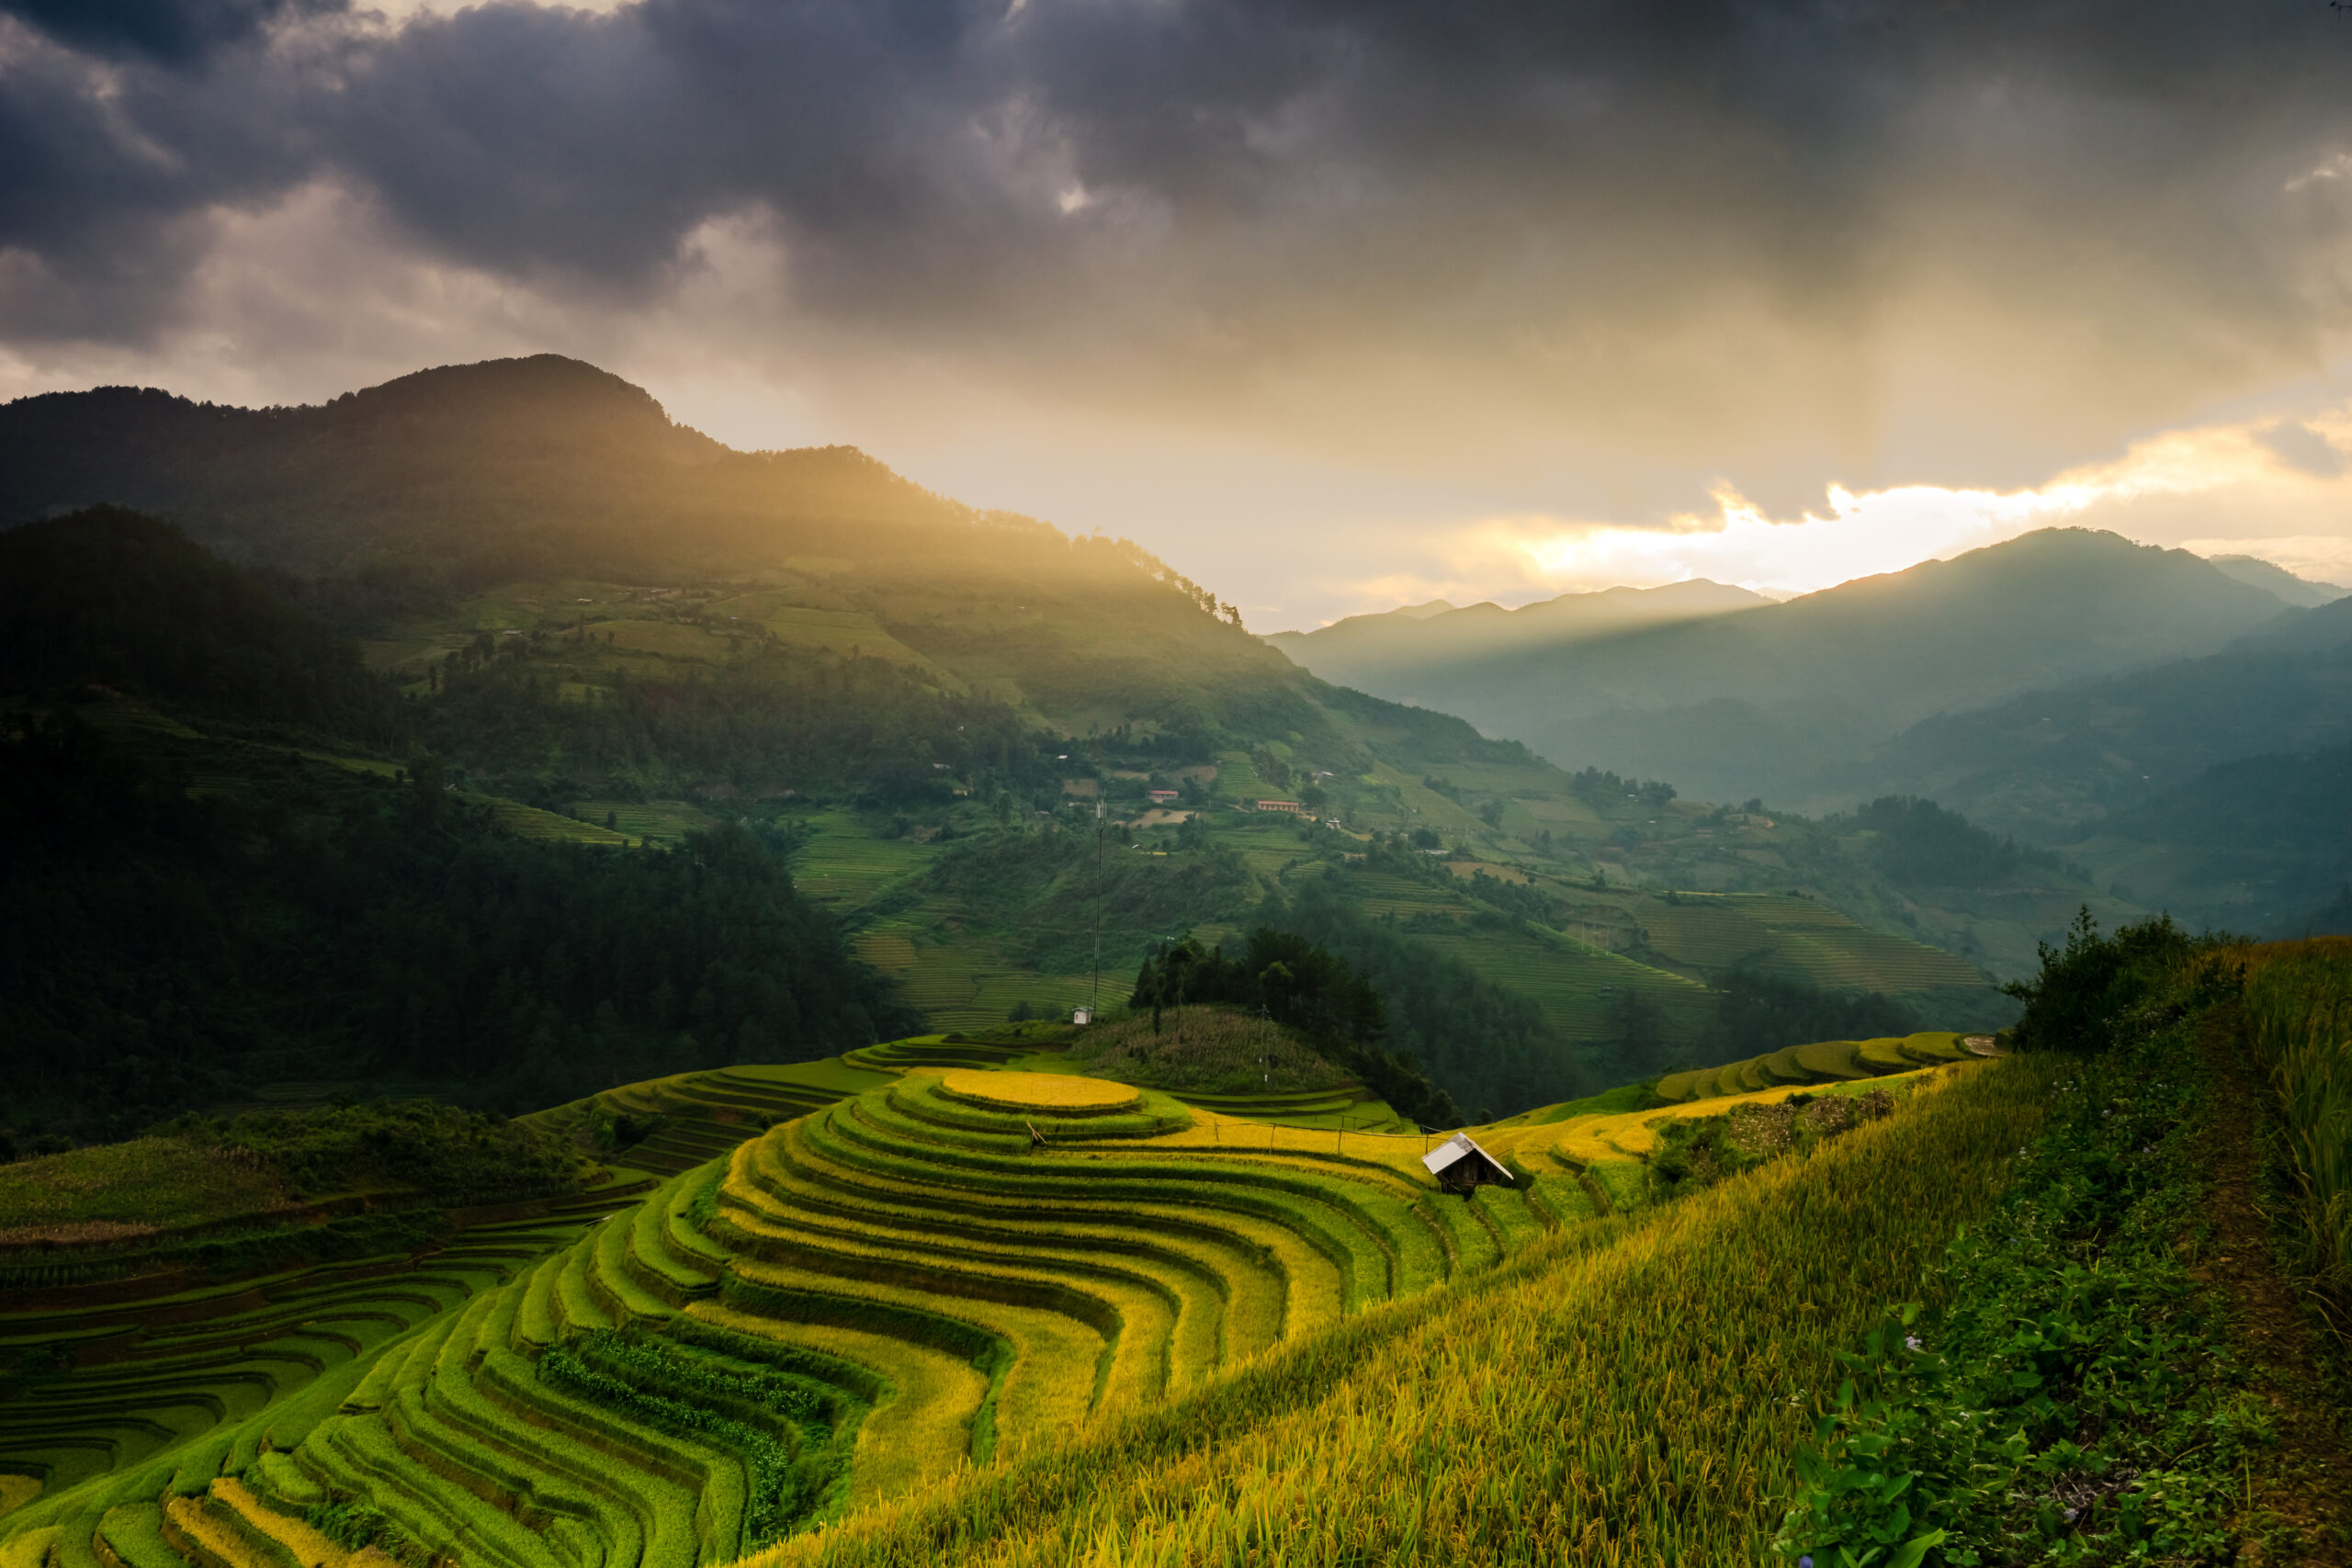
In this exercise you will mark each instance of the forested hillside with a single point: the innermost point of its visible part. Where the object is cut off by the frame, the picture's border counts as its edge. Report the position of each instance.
(1001, 762)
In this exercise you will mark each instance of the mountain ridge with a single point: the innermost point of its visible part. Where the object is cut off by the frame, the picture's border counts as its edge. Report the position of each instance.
(1785, 689)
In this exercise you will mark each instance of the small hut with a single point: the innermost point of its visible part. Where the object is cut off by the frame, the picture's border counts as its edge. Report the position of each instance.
(1461, 1165)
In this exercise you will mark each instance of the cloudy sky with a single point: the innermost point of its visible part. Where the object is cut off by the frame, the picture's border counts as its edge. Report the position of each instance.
(1334, 306)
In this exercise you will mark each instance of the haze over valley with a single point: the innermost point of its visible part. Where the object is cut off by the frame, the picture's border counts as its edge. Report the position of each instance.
(842, 787)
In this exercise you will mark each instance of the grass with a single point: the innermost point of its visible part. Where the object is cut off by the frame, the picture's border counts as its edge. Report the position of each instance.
(1621, 1392)
(2299, 1004)
(123, 1190)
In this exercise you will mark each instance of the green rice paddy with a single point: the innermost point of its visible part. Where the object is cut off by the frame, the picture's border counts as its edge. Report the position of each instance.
(922, 1276)
(1827, 1062)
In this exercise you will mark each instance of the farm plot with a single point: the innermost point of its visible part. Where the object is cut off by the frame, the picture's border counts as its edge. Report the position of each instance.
(1575, 982)
(653, 821)
(844, 864)
(1623, 1394)
(1829, 949)
(1825, 1061)
(667, 1125)
(111, 1400)
(955, 1266)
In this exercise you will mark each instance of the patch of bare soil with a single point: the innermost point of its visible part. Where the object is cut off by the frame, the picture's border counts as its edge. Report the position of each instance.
(2298, 1496)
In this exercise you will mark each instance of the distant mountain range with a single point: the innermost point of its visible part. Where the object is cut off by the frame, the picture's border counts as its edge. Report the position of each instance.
(1775, 700)
(2068, 687)
(2301, 592)
(1393, 645)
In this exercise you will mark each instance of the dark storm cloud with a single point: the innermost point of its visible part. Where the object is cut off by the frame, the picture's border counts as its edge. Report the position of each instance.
(1238, 182)
(174, 32)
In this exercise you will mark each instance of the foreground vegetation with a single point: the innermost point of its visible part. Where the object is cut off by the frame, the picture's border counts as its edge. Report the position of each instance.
(1976, 1310)
(2113, 1368)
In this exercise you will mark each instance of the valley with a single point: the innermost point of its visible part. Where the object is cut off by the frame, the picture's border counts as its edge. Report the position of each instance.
(541, 1042)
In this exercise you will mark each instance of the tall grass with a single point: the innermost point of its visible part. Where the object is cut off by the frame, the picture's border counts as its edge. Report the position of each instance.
(2299, 1003)
(1627, 1392)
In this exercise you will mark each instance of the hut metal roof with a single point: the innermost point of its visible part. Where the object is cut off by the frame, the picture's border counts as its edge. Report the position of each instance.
(1455, 1149)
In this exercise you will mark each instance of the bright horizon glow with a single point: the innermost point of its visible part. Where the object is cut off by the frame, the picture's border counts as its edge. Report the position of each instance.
(2225, 470)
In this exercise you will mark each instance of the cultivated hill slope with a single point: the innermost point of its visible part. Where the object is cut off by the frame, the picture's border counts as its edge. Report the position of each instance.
(977, 1259)
(1755, 701)
(914, 704)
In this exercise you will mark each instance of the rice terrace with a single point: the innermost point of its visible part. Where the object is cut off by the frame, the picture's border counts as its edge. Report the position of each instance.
(1166, 783)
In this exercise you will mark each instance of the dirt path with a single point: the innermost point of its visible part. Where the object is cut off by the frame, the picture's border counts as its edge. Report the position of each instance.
(2300, 1492)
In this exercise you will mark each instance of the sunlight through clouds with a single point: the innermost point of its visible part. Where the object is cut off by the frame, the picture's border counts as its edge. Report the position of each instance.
(2171, 489)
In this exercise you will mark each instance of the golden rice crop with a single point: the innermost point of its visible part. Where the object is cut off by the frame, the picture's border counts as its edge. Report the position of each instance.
(1044, 1091)
(1625, 1392)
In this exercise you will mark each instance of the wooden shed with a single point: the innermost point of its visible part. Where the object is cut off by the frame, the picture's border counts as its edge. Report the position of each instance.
(1461, 1165)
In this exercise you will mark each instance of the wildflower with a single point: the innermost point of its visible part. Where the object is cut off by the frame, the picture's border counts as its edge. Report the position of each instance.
(1911, 1342)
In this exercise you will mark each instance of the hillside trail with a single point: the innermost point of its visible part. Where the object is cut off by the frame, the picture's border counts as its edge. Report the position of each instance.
(2299, 1498)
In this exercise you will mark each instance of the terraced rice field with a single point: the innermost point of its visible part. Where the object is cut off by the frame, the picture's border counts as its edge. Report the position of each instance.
(113, 1398)
(1385, 892)
(958, 1266)
(1825, 1061)
(844, 865)
(1829, 949)
(971, 984)
(1718, 931)
(530, 822)
(654, 821)
(1628, 1393)
(700, 1116)
(1237, 780)
(1574, 982)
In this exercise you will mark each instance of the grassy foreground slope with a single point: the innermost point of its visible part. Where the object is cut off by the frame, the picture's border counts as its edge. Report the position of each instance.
(1625, 1389)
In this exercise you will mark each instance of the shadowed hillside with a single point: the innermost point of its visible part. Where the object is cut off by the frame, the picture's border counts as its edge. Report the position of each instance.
(1760, 702)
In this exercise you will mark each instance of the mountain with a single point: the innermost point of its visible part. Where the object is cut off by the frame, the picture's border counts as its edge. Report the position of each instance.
(2052, 765)
(2301, 592)
(1368, 651)
(1758, 702)
(604, 635)
(132, 604)
(2260, 845)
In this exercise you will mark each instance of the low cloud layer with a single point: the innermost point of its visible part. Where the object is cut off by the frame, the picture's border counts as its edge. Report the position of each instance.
(1602, 262)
